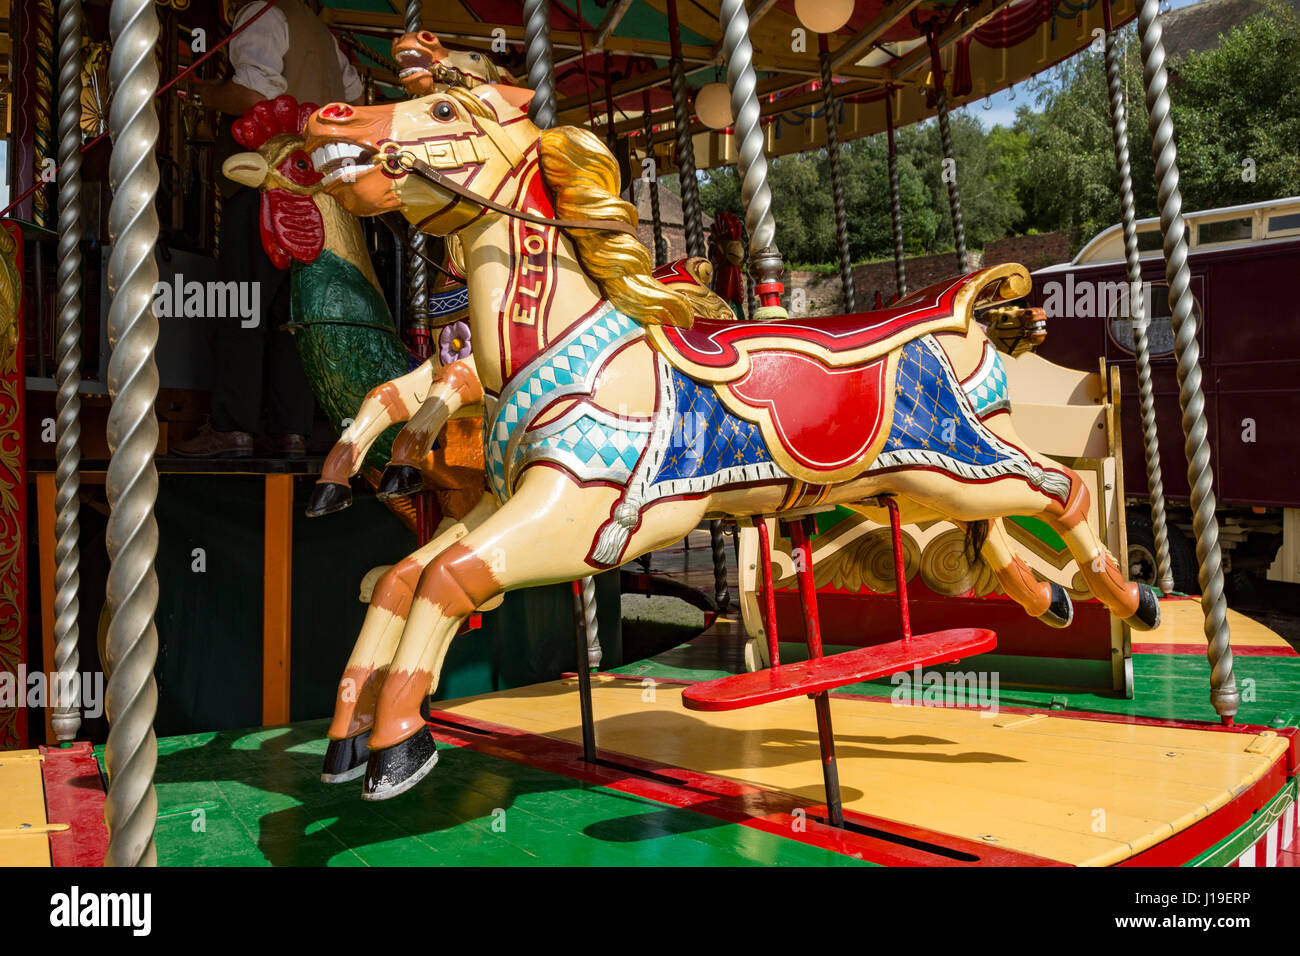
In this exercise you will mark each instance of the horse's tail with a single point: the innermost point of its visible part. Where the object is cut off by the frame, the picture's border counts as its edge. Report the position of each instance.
(977, 532)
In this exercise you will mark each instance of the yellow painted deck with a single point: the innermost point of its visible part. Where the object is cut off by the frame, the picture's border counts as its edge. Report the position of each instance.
(24, 839)
(1084, 792)
(1181, 622)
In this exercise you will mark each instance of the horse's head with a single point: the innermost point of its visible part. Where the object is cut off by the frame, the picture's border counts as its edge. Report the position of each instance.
(293, 198)
(472, 137)
(1015, 329)
(425, 63)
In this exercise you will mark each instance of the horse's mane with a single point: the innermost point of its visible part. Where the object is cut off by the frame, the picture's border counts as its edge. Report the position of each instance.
(583, 178)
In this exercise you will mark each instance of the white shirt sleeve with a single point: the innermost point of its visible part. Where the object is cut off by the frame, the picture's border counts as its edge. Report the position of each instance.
(353, 88)
(257, 54)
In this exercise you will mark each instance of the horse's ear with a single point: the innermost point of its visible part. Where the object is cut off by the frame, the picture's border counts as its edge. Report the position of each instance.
(497, 95)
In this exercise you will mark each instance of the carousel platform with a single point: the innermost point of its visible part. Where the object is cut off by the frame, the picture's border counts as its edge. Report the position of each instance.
(1046, 779)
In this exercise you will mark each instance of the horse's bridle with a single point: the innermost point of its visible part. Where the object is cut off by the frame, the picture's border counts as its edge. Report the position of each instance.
(410, 163)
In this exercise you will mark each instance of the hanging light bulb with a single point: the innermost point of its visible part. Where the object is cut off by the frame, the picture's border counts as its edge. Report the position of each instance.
(713, 105)
(823, 16)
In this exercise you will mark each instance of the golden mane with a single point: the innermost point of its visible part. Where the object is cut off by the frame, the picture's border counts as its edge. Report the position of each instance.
(583, 176)
(584, 179)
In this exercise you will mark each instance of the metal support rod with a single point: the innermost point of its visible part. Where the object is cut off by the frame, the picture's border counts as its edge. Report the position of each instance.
(1136, 306)
(583, 615)
(900, 568)
(950, 175)
(837, 179)
(764, 258)
(769, 598)
(66, 714)
(541, 75)
(693, 227)
(692, 219)
(131, 808)
(661, 246)
(1200, 474)
(895, 201)
(813, 635)
(537, 37)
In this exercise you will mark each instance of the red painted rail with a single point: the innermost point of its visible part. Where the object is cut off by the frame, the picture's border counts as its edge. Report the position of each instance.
(827, 673)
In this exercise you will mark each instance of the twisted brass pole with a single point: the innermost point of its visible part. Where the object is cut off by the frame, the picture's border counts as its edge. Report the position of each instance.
(132, 483)
(1200, 474)
(417, 271)
(541, 75)
(661, 247)
(837, 180)
(954, 193)
(537, 38)
(1137, 308)
(66, 714)
(895, 200)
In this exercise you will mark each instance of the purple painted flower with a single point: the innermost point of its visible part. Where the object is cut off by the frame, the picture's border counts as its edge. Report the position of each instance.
(453, 343)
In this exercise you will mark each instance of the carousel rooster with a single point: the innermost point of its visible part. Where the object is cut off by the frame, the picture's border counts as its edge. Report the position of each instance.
(727, 253)
(345, 332)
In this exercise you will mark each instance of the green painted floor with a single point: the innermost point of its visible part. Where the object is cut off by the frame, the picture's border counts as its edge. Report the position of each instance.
(254, 798)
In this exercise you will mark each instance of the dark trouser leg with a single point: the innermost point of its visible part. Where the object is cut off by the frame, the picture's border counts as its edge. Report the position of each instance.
(290, 402)
(239, 350)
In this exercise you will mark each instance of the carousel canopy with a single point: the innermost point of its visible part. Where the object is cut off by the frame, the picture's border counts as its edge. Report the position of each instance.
(619, 50)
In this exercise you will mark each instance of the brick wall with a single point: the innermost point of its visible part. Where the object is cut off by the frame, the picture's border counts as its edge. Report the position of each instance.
(823, 295)
(1032, 252)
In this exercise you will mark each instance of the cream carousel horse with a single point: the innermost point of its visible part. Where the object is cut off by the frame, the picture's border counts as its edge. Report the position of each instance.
(615, 422)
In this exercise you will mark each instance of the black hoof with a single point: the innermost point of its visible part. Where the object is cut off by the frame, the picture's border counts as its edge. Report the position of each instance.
(400, 767)
(328, 497)
(1147, 616)
(1061, 611)
(346, 759)
(398, 481)
(425, 708)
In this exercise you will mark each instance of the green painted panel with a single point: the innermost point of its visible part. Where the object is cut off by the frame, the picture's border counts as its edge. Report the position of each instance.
(254, 798)
(1040, 529)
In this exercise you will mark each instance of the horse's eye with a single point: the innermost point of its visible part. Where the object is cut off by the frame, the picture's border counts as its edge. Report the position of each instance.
(301, 164)
(474, 57)
(443, 111)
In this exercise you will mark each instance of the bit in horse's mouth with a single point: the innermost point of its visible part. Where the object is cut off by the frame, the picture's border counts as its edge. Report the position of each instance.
(338, 158)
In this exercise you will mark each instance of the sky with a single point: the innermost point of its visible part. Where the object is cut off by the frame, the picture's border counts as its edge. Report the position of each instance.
(1002, 109)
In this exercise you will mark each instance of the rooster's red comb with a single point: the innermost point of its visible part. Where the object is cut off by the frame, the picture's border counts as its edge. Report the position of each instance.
(284, 114)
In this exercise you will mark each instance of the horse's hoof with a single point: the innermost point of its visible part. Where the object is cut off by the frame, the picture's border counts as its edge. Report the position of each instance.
(425, 707)
(398, 481)
(1147, 616)
(398, 768)
(328, 497)
(1060, 612)
(346, 759)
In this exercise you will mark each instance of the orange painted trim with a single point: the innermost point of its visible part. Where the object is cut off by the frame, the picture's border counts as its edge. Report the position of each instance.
(45, 516)
(277, 593)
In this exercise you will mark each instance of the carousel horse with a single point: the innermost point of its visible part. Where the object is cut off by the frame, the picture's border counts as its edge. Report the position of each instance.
(425, 63)
(616, 420)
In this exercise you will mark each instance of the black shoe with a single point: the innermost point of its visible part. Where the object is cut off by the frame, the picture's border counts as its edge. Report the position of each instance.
(328, 497)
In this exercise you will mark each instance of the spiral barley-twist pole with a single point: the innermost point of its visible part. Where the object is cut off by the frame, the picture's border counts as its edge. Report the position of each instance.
(45, 68)
(132, 482)
(950, 175)
(1137, 311)
(751, 161)
(417, 271)
(66, 715)
(692, 218)
(895, 201)
(541, 74)
(837, 179)
(656, 217)
(1200, 474)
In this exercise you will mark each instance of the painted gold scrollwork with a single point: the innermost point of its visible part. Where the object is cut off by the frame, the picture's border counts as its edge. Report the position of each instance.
(946, 568)
(868, 562)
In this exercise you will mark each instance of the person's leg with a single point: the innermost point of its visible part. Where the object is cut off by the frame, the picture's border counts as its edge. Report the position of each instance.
(290, 402)
(238, 350)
